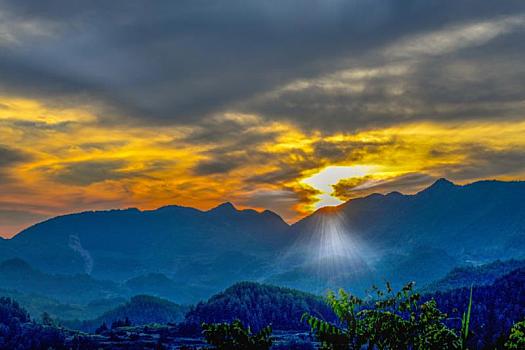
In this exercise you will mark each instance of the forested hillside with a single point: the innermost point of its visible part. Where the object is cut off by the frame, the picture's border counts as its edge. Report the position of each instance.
(140, 310)
(480, 275)
(495, 307)
(258, 305)
(18, 331)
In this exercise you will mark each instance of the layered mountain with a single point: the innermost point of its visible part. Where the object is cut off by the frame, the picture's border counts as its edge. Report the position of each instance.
(470, 275)
(18, 275)
(400, 237)
(186, 254)
(484, 219)
(202, 247)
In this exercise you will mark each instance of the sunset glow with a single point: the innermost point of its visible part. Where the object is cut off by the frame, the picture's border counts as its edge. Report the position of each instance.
(325, 179)
(177, 124)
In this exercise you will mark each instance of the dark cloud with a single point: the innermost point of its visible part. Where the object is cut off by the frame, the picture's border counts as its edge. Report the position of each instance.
(85, 173)
(234, 142)
(486, 163)
(36, 126)
(231, 134)
(178, 61)
(280, 175)
(358, 187)
(101, 146)
(10, 157)
(472, 84)
(89, 172)
(288, 166)
(283, 201)
(353, 151)
(216, 166)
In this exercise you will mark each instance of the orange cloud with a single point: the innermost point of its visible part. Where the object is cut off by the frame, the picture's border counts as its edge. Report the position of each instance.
(73, 162)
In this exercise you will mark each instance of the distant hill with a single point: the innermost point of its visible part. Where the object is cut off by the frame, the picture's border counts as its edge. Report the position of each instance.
(258, 305)
(77, 292)
(481, 275)
(121, 244)
(158, 284)
(140, 310)
(209, 249)
(37, 304)
(16, 274)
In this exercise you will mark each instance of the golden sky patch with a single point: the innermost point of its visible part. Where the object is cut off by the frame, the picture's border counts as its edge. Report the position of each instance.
(75, 163)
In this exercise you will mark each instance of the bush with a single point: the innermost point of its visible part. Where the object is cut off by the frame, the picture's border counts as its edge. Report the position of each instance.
(394, 321)
(517, 336)
(234, 336)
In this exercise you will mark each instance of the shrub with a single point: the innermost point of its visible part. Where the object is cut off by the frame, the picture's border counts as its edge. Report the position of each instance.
(393, 321)
(517, 336)
(234, 336)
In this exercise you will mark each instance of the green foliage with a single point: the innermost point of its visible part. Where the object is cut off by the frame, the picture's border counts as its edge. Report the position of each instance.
(18, 331)
(234, 336)
(259, 305)
(47, 320)
(351, 335)
(465, 322)
(393, 321)
(517, 336)
(140, 310)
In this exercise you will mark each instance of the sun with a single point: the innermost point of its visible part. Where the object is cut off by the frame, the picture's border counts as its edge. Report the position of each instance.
(331, 175)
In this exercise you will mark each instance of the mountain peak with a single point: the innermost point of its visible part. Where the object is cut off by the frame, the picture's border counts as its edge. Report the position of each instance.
(439, 185)
(443, 182)
(225, 207)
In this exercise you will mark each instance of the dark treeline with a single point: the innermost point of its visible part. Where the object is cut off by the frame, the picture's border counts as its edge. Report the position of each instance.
(19, 332)
(258, 305)
(495, 309)
(481, 275)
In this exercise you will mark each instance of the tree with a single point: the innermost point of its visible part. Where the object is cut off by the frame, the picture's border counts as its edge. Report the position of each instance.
(234, 336)
(121, 323)
(47, 320)
(102, 329)
(393, 321)
(517, 336)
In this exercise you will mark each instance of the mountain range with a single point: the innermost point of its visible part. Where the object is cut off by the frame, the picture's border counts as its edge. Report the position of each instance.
(418, 237)
(366, 240)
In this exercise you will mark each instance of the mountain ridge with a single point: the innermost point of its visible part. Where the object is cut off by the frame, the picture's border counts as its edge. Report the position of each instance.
(390, 236)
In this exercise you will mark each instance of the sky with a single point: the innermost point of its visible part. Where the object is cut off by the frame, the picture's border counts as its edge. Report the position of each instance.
(284, 105)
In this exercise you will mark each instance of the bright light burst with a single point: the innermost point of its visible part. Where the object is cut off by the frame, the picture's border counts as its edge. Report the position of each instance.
(334, 240)
(329, 176)
(331, 253)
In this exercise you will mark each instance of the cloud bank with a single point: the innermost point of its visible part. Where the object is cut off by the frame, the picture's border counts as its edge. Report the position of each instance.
(126, 103)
